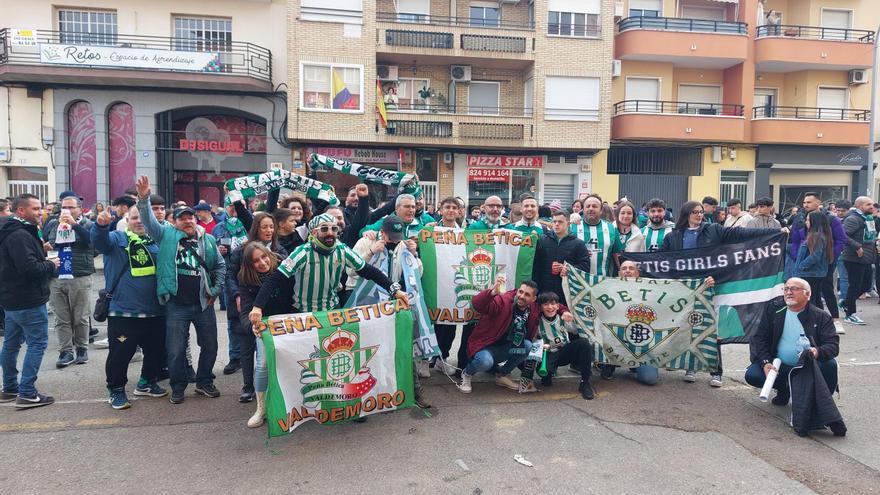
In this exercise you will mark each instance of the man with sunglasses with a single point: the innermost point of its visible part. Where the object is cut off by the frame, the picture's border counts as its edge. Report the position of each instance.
(316, 268)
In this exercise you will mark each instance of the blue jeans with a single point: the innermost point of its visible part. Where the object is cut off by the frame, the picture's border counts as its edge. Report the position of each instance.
(30, 326)
(505, 352)
(842, 279)
(647, 375)
(234, 338)
(177, 321)
(755, 376)
(261, 369)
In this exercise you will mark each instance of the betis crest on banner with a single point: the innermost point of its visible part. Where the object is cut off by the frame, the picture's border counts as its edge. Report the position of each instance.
(459, 263)
(661, 323)
(339, 365)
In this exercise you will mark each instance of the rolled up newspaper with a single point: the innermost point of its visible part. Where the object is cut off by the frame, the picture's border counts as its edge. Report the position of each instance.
(771, 379)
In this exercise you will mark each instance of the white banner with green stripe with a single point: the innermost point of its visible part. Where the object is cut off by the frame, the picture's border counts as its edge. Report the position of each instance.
(336, 366)
(459, 263)
(655, 322)
(748, 275)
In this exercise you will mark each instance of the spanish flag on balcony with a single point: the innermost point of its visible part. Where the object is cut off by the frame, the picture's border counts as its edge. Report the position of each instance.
(342, 98)
(380, 106)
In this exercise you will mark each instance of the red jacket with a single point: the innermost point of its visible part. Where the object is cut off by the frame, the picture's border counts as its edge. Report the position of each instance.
(496, 313)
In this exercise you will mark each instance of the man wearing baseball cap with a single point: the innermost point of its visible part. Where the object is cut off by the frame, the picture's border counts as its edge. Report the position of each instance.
(206, 219)
(189, 275)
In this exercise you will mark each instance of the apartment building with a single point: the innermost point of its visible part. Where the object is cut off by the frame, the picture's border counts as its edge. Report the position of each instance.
(98, 91)
(742, 98)
(481, 97)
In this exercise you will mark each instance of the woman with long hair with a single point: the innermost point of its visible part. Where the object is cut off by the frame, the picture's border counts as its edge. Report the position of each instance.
(692, 232)
(301, 211)
(719, 217)
(257, 263)
(815, 254)
(630, 234)
(263, 232)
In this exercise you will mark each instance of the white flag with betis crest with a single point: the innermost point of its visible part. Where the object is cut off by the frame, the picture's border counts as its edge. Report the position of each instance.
(336, 366)
(459, 263)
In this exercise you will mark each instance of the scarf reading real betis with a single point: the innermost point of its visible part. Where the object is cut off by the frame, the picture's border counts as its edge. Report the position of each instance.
(336, 366)
(251, 186)
(408, 183)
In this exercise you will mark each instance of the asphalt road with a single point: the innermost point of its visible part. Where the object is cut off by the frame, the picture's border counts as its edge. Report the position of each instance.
(673, 438)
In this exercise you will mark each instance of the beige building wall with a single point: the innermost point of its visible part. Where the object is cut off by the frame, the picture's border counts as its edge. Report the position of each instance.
(23, 141)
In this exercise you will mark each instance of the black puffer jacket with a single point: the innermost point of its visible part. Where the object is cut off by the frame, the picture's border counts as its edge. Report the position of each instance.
(818, 327)
(233, 266)
(569, 249)
(812, 405)
(24, 270)
(713, 235)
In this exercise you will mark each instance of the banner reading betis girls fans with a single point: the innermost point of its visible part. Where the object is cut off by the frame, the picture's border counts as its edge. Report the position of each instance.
(661, 323)
(747, 276)
(460, 263)
(339, 365)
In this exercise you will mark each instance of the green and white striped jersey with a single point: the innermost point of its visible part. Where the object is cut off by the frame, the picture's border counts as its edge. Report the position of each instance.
(553, 332)
(654, 237)
(602, 241)
(317, 275)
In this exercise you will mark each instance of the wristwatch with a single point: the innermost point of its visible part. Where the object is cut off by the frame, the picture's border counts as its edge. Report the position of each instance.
(394, 289)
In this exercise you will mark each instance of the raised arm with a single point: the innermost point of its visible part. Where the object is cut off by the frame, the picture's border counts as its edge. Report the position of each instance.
(151, 225)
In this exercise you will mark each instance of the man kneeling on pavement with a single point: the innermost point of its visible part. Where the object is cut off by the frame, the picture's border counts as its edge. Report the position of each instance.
(508, 324)
(779, 336)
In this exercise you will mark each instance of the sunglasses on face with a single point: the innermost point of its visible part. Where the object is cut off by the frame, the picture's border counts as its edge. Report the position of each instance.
(328, 228)
(697, 212)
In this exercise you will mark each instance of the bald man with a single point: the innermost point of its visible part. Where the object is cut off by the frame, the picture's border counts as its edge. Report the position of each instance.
(491, 219)
(859, 253)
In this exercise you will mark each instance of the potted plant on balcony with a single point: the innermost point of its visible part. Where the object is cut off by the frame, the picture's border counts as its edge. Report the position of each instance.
(426, 94)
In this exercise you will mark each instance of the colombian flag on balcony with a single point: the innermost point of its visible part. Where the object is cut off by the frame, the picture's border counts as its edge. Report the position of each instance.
(342, 98)
(380, 106)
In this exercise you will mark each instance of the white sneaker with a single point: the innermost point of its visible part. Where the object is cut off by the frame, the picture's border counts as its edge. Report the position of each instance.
(465, 385)
(715, 381)
(138, 356)
(101, 344)
(690, 376)
(838, 328)
(423, 369)
(444, 367)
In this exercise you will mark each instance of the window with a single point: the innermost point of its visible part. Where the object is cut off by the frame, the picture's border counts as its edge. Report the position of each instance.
(571, 98)
(344, 11)
(203, 35)
(838, 22)
(331, 87)
(528, 97)
(645, 8)
(573, 24)
(484, 98)
(576, 18)
(408, 97)
(485, 16)
(642, 94)
(413, 11)
(698, 99)
(87, 27)
(735, 185)
(828, 99)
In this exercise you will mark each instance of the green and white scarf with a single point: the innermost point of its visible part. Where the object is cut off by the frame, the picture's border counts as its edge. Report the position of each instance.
(251, 186)
(408, 183)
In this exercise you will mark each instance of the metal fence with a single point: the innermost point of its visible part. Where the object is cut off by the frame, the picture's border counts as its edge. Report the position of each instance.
(778, 112)
(678, 24)
(815, 33)
(678, 107)
(418, 39)
(439, 20)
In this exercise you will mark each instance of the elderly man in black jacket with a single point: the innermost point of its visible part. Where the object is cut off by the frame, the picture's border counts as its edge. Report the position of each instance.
(778, 335)
(554, 250)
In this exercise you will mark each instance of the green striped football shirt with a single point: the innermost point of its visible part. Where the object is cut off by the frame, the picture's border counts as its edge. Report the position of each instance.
(654, 237)
(602, 241)
(553, 332)
(318, 275)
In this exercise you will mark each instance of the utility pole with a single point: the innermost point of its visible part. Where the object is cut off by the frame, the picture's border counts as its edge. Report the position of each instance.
(869, 189)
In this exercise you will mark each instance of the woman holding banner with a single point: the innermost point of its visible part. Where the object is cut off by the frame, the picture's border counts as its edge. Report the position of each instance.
(691, 232)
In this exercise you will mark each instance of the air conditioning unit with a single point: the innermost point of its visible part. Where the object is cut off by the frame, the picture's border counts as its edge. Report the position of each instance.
(460, 73)
(615, 68)
(618, 10)
(386, 72)
(858, 76)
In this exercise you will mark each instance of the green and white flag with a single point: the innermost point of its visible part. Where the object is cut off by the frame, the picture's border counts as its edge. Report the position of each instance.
(459, 263)
(335, 366)
(253, 185)
(657, 322)
(408, 183)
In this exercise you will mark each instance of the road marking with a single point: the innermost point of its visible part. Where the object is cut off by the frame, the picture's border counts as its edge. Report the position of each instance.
(48, 425)
(99, 422)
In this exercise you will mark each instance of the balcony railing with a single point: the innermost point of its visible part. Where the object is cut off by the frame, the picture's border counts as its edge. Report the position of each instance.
(416, 128)
(436, 20)
(478, 130)
(419, 39)
(450, 109)
(235, 57)
(815, 33)
(678, 107)
(678, 24)
(509, 44)
(810, 113)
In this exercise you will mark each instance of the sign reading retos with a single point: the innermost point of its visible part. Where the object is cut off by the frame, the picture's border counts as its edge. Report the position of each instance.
(128, 58)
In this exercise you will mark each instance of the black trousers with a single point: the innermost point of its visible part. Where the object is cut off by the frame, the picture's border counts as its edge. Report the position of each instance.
(125, 336)
(828, 293)
(857, 273)
(445, 337)
(578, 352)
(462, 347)
(247, 357)
(815, 290)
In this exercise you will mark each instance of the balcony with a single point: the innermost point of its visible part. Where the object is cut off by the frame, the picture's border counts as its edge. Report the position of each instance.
(646, 120)
(808, 125)
(450, 125)
(788, 48)
(134, 61)
(686, 43)
(452, 40)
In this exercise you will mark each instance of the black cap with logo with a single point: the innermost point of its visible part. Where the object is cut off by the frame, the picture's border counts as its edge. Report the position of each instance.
(392, 228)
